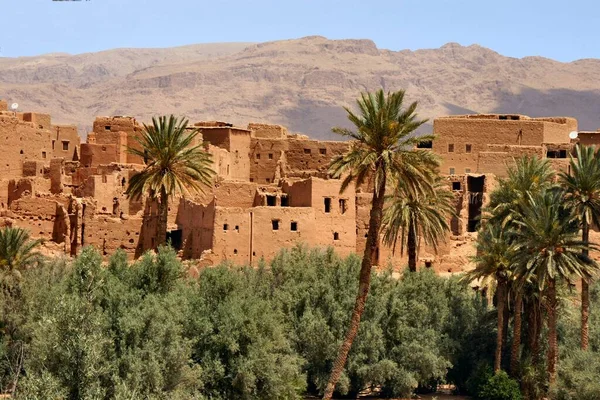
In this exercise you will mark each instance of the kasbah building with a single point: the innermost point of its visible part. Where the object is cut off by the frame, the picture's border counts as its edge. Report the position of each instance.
(271, 190)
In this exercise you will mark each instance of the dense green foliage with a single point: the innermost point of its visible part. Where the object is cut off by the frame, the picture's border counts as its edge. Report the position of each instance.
(145, 331)
(500, 387)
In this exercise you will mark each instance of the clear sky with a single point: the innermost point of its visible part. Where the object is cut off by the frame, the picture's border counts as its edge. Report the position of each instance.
(562, 30)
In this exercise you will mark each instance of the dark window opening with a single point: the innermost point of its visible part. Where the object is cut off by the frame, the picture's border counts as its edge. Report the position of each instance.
(107, 127)
(285, 201)
(175, 238)
(475, 184)
(451, 148)
(515, 117)
(237, 228)
(327, 202)
(65, 145)
(323, 151)
(428, 264)
(556, 154)
(306, 151)
(53, 144)
(21, 152)
(294, 226)
(270, 156)
(258, 156)
(468, 148)
(268, 180)
(235, 251)
(251, 179)
(225, 227)
(502, 117)
(455, 185)
(123, 181)
(43, 154)
(427, 144)
(336, 236)
(275, 224)
(271, 201)
(343, 206)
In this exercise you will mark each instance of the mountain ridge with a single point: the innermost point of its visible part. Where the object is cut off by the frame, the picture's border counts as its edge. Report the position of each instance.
(301, 83)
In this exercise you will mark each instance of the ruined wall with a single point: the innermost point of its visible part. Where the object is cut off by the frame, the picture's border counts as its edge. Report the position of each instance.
(3, 105)
(120, 131)
(267, 131)
(264, 156)
(311, 157)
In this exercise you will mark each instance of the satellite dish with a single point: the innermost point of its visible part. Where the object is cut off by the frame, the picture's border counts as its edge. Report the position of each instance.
(14, 106)
(573, 135)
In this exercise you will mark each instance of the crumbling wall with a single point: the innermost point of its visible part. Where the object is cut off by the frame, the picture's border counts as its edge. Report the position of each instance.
(267, 131)
(3, 105)
(93, 154)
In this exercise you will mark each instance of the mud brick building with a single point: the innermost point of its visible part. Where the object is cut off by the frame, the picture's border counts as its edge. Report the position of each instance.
(272, 189)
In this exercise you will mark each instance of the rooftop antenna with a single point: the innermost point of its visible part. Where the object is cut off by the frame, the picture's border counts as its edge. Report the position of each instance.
(573, 135)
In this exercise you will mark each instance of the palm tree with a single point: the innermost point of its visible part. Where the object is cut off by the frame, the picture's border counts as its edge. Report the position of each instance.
(173, 165)
(412, 216)
(17, 251)
(493, 266)
(547, 252)
(582, 188)
(383, 147)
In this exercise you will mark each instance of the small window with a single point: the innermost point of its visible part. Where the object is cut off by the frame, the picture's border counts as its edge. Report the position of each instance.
(237, 228)
(294, 226)
(502, 117)
(455, 185)
(468, 148)
(323, 151)
(43, 154)
(271, 201)
(336, 236)
(268, 180)
(104, 179)
(451, 148)
(65, 144)
(327, 203)
(21, 152)
(225, 227)
(563, 154)
(452, 171)
(258, 156)
(285, 201)
(275, 224)
(270, 156)
(107, 127)
(467, 170)
(428, 264)
(53, 144)
(235, 251)
(306, 151)
(103, 148)
(251, 179)
(343, 206)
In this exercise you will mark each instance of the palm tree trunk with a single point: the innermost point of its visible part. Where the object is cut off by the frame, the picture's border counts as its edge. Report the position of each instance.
(516, 344)
(552, 335)
(412, 247)
(585, 293)
(501, 300)
(163, 212)
(363, 288)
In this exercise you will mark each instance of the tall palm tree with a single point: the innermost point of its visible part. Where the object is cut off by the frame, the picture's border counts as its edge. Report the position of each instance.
(548, 251)
(174, 166)
(582, 186)
(382, 148)
(493, 267)
(411, 216)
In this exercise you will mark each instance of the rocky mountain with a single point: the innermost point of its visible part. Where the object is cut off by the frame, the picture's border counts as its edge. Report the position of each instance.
(301, 83)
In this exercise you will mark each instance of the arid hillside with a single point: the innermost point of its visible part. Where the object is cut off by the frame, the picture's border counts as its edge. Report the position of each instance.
(300, 83)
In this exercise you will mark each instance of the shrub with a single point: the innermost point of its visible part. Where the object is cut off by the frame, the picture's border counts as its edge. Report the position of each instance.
(500, 387)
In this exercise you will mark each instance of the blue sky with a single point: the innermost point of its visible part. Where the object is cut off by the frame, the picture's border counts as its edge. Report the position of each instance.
(562, 30)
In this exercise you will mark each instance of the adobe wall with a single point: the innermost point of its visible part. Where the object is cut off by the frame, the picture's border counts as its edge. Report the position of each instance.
(557, 132)
(21, 141)
(3, 105)
(587, 138)
(197, 222)
(120, 131)
(311, 157)
(499, 157)
(94, 154)
(66, 142)
(267, 131)
(238, 152)
(265, 154)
